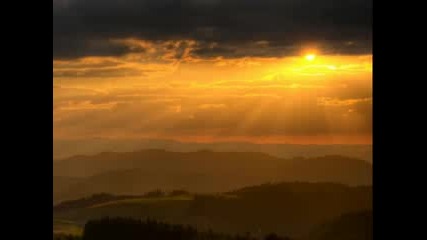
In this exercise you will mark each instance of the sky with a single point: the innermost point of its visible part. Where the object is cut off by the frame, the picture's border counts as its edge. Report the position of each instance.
(260, 71)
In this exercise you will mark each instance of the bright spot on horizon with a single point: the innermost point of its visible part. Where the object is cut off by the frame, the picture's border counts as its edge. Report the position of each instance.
(310, 57)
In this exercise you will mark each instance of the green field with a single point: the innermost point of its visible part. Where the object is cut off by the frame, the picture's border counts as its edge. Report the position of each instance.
(143, 200)
(66, 227)
(171, 209)
(289, 209)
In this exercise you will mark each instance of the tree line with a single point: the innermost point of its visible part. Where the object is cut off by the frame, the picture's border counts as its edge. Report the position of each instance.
(132, 229)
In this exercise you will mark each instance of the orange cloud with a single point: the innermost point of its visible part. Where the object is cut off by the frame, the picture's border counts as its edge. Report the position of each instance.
(164, 92)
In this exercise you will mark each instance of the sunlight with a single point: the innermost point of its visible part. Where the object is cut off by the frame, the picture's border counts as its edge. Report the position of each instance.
(310, 57)
(312, 65)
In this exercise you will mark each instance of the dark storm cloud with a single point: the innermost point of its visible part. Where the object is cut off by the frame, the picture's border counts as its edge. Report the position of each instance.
(66, 47)
(282, 49)
(84, 27)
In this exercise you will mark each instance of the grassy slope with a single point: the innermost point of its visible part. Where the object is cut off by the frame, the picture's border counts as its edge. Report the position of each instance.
(288, 209)
(66, 227)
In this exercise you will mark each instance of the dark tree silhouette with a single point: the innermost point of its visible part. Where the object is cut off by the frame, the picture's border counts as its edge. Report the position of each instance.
(155, 193)
(61, 236)
(131, 229)
(273, 236)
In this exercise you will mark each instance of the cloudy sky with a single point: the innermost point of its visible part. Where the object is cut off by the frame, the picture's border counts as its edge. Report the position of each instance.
(263, 71)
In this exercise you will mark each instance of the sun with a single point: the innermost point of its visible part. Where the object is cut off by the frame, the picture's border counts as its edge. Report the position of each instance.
(310, 57)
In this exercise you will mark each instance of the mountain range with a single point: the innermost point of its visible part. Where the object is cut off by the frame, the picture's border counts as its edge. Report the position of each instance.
(201, 171)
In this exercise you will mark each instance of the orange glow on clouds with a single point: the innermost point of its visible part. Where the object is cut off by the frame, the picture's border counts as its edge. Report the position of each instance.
(311, 98)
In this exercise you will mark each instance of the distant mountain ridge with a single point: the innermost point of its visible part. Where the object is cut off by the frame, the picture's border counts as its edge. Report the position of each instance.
(67, 148)
(201, 171)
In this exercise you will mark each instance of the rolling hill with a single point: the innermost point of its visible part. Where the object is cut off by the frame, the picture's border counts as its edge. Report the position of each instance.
(202, 172)
(293, 209)
(61, 183)
(350, 226)
(68, 148)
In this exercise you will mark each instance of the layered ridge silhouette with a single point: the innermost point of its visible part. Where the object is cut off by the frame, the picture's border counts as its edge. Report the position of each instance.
(201, 171)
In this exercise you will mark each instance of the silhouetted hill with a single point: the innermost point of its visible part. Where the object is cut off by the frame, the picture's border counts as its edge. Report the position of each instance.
(154, 160)
(351, 226)
(132, 229)
(202, 171)
(292, 209)
(90, 201)
(62, 184)
(67, 148)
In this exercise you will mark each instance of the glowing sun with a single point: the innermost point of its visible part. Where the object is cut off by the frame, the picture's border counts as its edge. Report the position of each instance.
(310, 57)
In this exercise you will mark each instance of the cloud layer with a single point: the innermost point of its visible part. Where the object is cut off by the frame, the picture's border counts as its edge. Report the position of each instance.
(213, 70)
(219, 102)
(230, 28)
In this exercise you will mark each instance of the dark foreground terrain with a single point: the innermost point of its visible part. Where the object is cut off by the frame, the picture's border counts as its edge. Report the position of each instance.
(306, 211)
(354, 226)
